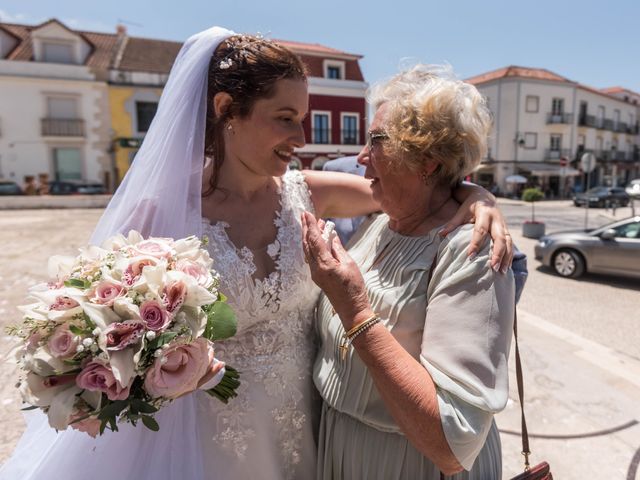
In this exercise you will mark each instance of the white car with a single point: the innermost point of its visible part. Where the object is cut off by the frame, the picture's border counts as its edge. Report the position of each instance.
(633, 189)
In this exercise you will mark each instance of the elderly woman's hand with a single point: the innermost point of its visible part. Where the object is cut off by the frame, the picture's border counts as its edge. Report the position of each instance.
(335, 272)
(480, 208)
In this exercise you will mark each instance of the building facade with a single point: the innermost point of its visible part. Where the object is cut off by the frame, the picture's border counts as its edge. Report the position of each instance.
(544, 123)
(54, 120)
(76, 105)
(336, 124)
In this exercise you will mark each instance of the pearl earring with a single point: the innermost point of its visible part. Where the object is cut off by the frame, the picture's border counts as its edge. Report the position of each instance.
(230, 128)
(425, 178)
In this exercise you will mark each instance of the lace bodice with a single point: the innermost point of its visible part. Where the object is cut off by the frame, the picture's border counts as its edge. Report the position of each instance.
(289, 286)
(274, 346)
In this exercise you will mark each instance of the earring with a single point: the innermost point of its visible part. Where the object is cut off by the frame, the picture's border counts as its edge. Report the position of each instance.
(230, 128)
(425, 178)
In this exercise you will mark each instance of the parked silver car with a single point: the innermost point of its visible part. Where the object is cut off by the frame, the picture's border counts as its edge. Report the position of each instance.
(612, 249)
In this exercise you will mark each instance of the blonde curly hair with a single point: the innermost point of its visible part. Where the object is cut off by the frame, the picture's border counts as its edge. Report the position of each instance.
(432, 114)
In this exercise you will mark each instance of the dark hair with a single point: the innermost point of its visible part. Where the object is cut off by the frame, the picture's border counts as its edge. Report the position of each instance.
(247, 68)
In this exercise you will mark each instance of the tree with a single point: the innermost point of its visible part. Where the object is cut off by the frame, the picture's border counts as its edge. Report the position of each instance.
(532, 195)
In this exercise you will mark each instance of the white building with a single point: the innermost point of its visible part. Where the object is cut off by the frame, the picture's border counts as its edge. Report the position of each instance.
(53, 100)
(544, 122)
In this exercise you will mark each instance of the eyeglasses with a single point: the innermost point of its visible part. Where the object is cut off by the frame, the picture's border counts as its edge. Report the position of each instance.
(374, 139)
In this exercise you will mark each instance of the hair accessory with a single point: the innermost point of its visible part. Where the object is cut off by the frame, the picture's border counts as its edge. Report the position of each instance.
(226, 63)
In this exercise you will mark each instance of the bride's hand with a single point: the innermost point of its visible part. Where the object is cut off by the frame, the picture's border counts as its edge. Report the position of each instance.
(335, 272)
(480, 208)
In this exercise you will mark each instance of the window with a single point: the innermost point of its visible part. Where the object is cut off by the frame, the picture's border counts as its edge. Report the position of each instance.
(333, 69)
(530, 141)
(532, 103)
(333, 72)
(556, 143)
(581, 140)
(321, 131)
(62, 107)
(557, 106)
(630, 230)
(57, 52)
(349, 129)
(145, 111)
(67, 164)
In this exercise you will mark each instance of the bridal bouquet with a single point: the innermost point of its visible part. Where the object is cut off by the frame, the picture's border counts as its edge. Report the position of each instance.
(122, 330)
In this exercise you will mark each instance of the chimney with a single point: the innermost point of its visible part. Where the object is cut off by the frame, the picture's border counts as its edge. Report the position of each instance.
(121, 30)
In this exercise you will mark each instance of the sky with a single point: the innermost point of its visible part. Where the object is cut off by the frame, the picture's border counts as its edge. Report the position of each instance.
(594, 43)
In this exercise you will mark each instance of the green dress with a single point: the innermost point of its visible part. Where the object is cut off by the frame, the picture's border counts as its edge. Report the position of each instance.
(458, 325)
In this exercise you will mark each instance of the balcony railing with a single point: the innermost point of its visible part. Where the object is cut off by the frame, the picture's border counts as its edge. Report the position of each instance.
(62, 127)
(321, 135)
(349, 137)
(632, 129)
(608, 124)
(560, 118)
(587, 121)
(552, 154)
(621, 127)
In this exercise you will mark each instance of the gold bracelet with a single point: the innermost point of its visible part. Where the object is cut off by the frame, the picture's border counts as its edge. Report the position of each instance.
(348, 337)
(358, 325)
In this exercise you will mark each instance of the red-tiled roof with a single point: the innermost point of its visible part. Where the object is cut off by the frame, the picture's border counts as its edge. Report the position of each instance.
(522, 72)
(146, 55)
(102, 44)
(314, 47)
(613, 90)
(137, 54)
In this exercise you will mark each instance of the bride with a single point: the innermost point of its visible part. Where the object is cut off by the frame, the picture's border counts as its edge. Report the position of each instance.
(240, 101)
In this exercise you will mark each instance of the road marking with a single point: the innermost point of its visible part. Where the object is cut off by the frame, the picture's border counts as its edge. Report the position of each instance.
(603, 357)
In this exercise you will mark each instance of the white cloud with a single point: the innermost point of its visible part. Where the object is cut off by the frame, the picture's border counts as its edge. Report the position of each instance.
(19, 18)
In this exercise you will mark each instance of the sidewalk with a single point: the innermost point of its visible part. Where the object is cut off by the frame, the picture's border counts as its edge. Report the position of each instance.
(582, 403)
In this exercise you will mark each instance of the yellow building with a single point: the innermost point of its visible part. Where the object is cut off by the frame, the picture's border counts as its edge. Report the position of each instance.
(140, 69)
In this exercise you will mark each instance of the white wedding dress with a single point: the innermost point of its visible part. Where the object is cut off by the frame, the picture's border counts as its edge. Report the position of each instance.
(267, 432)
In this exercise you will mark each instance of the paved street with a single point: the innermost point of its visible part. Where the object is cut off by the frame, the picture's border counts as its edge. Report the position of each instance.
(580, 343)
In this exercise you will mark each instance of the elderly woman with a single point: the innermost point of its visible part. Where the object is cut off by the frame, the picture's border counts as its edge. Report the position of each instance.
(415, 334)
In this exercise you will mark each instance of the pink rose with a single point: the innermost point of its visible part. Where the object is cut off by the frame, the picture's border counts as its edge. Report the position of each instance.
(106, 292)
(97, 377)
(180, 369)
(154, 315)
(174, 295)
(33, 341)
(63, 303)
(134, 270)
(122, 334)
(194, 269)
(154, 248)
(90, 425)
(63, 343)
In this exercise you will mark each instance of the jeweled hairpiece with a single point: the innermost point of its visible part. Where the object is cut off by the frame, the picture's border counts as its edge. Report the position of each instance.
(241, 49)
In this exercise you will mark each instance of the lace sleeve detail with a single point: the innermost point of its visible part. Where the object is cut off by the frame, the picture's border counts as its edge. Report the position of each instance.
(299, 193)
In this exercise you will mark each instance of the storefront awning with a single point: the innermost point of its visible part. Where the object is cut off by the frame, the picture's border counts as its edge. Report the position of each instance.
(484, 168)
(548, 170)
